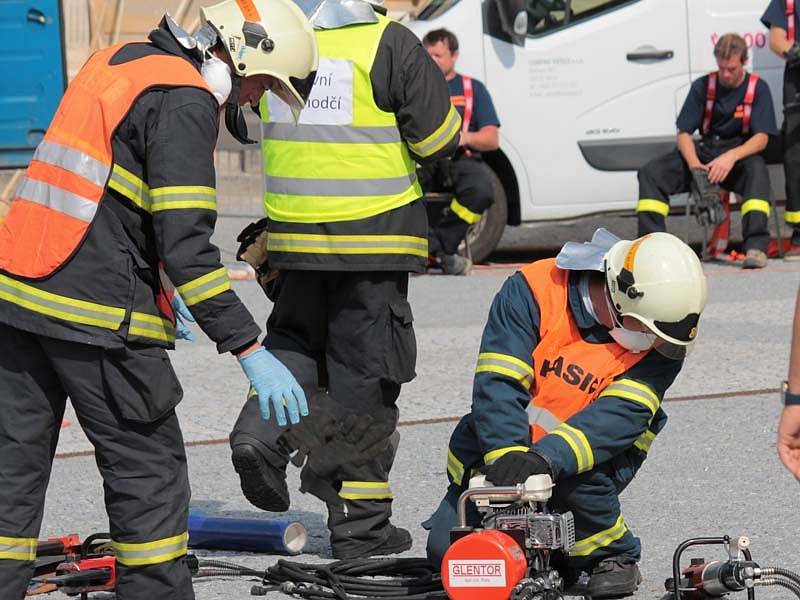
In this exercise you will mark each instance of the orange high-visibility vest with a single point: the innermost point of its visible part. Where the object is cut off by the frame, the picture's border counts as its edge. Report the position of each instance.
(569, 373)
(58, 197)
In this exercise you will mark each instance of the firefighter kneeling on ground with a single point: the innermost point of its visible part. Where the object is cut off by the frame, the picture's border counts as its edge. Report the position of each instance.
(464, 175)
(574, 362)
(733, 111)
(121, 188)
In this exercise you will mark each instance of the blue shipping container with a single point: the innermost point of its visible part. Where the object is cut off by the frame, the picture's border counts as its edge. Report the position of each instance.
(32, 60)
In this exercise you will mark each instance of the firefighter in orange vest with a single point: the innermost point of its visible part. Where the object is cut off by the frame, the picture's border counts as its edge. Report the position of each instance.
(574, 362)
(116, 207)
(733, 111)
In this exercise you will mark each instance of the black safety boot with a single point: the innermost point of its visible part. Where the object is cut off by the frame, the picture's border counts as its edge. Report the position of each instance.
(613, 578)
(399, 540)
(263, 484)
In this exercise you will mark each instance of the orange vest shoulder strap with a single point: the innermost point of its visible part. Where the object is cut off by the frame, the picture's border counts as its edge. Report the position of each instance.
(548, 285)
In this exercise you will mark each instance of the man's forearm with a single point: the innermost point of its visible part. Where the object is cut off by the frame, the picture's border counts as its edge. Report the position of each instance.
(485, 139)
(687, 149)
(755, 145)
(794, 356)
(778, 41)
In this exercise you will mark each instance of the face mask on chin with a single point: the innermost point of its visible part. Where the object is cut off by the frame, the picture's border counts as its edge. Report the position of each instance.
(635, 341)
(217, 75)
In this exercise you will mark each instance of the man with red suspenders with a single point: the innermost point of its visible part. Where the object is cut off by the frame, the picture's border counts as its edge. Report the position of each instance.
(781, 18)
(471, 183)
(733, 111)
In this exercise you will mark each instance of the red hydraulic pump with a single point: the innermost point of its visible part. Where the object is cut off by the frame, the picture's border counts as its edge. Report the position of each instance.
(508, 557)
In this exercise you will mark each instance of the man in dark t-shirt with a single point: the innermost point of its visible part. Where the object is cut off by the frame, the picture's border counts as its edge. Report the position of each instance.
(471, 182)
(783, 27)
(735, 125)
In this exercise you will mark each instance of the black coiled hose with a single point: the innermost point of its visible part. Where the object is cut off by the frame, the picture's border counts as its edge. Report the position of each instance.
(406, 578)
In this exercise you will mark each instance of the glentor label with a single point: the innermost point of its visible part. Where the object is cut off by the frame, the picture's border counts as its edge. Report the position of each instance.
(477, 573)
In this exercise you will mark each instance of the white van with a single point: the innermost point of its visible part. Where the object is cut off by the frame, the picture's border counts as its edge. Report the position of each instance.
(587, 91)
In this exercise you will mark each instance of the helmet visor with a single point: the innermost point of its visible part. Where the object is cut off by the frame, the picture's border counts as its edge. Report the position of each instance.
(294, 95)
(672, 351)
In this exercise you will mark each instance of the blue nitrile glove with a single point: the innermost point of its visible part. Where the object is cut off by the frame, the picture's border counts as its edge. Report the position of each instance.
(273, 382)
(182, 332)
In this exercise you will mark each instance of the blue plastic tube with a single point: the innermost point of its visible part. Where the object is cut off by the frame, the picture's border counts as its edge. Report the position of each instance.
(245, 535)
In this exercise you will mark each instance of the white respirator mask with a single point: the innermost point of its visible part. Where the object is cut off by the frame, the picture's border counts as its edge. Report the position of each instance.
(634, 341)
(217, 74)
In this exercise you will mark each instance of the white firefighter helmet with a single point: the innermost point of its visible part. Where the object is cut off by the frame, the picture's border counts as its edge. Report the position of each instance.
(268, 37)
(659, 281)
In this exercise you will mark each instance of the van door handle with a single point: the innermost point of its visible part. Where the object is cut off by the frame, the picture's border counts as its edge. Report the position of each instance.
(37, 16)
(650, 54)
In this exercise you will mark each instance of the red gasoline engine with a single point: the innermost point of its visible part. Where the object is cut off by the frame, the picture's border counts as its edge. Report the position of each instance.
(508, 557)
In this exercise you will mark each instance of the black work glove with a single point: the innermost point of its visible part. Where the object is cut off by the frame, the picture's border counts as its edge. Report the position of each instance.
(793, 56)
(516, 467)
(358, 439)
(706, 195)
(328, 439)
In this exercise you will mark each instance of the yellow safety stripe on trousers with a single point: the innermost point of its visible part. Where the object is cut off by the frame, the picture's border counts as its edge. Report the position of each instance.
(645, 440)
(492, 456)
(366, 490)
(634, 391)
(601, 539)
(651, 205)
(455, 468)
(129, 185)
(60, 307)
(792, 216)
(17, 548)
(755, 204)
(151, 553)
(505, 364)
(439, 138)
(205, 287)
(584, 455)
(180, 197)
(151, 326)
(464, 213)
(347, 244)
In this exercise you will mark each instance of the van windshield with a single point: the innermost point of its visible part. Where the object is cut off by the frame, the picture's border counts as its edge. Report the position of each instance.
(435, 8)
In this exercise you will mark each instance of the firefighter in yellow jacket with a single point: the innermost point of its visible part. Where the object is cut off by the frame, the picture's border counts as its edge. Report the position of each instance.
(575, 359)
(346, 226)
(117, 205)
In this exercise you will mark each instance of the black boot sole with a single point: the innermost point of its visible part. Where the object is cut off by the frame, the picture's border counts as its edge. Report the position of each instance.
(614, 591)
(263, 485)
(398, 546)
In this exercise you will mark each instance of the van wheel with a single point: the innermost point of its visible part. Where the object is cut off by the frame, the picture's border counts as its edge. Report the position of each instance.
(484, 236)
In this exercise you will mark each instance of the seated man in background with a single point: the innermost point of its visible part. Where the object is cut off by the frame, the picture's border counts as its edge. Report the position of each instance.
(733, 111)
(465, 175)
(574, 362)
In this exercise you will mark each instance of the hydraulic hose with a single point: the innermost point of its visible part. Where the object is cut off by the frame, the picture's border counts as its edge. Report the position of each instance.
(406, 578)
(769, 571)
(786, 583)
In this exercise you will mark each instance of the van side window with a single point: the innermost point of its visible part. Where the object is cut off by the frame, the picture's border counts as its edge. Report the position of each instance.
(545, 16)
